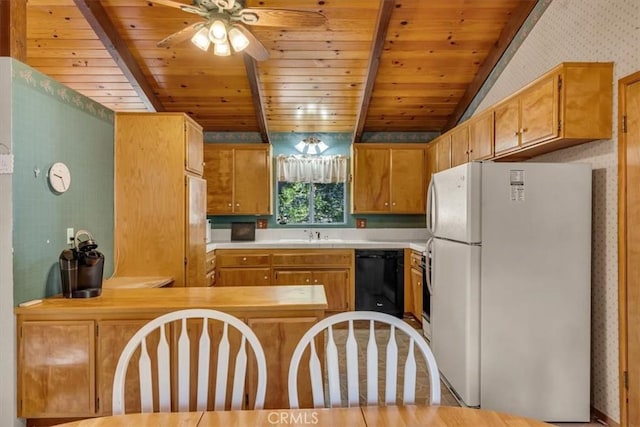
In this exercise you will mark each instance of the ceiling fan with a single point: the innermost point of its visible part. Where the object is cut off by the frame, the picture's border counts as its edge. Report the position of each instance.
(225, 21)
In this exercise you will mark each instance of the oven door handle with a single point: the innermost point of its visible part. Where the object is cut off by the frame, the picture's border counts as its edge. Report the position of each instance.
(430, 264)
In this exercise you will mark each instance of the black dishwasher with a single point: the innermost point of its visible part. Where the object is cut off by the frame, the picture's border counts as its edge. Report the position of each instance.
(380, 280)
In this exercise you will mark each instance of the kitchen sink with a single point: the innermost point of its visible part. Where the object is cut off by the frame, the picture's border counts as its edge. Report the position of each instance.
(311, 241)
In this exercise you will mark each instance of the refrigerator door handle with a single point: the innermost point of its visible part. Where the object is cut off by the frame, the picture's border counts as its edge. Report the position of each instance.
(430, 264)
(430, 206)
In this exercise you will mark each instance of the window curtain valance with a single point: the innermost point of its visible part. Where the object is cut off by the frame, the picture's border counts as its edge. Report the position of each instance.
(317, 169)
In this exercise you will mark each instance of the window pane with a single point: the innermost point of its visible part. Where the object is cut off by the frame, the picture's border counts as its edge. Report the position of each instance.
(293, 202)
(329, 203)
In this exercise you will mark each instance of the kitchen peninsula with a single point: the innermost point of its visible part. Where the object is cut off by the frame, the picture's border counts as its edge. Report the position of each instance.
(68, 348)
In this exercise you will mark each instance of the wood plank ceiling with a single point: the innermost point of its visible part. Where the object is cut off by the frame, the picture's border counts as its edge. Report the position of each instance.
(374, 66)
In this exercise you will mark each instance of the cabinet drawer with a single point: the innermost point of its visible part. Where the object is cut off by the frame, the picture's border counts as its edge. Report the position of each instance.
(210, 278)
(210, 261)
(318, 259)
(240, 260)
(243, 276)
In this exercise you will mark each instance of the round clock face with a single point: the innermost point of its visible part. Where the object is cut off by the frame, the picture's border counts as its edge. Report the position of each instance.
(59, 177)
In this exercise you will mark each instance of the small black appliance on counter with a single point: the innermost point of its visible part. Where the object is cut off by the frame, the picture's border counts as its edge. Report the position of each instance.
(81, 268)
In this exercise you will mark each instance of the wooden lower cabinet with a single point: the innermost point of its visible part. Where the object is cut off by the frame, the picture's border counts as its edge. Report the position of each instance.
(67, 357)
(288, 332)
(336, 284)
(113, 336)
(56, 369)
(416, 289)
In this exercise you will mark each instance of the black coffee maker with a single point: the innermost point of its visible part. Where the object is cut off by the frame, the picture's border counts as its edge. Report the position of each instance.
(81, 268)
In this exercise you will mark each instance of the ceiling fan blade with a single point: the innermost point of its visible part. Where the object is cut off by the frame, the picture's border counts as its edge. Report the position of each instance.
(255, 48)
(182, 35)
(184, 7)
(281, 17)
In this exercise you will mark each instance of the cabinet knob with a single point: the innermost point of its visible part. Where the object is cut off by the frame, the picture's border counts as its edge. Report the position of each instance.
(523, 130)
(393, 204)
(203, 163)
(229, 205)
(516, 133)
(244, 258)
(386, 203)
(266, 277)
(237, 205)
(315, 281)
(307, 280)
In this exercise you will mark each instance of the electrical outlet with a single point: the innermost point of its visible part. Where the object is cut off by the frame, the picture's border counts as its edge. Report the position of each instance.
(70, 235)
(361, 223)
(6, 163)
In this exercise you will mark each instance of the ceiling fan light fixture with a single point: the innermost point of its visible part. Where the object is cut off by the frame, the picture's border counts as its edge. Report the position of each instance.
(201, 39)
(222, 49)
(218, 32)
(238, 40)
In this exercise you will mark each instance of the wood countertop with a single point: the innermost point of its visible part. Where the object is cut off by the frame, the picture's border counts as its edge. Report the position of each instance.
(133, 282)
(238, 298)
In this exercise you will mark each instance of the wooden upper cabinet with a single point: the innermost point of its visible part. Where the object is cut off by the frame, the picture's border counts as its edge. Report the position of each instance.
(371, 178)
(443, 153)
(389, 178)
(507, 124)
(569, 105)
(481, 136)
(459, 145)
(194, 141)
(238, 179)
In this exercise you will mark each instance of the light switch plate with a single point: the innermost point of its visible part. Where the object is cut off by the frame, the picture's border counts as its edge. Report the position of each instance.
(6, 163)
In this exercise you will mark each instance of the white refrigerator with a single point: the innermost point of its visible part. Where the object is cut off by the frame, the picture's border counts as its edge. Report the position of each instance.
(511, 286)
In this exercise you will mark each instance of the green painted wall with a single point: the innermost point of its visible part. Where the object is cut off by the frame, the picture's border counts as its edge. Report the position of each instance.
(53, 123)
(339, 143)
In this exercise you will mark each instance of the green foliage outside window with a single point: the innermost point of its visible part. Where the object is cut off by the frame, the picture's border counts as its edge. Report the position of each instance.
(311, 203)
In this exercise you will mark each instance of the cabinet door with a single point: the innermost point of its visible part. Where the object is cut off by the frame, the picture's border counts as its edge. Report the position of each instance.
(252, 182)
(56, 372)
(481, 136)
(443, 153)
(459, 145)
(336, 288)
(279, 338)
(243, 277)
(408, 192)
(371, 180)
(416, 287)
(113, 335)
(291, 277)
(539, 112)
(218, 171)
(193, 146)
(195, 231)
(507, 126)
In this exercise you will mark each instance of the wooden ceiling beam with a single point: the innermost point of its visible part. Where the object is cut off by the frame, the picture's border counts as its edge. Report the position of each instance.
(382, 24)
(506, 36)
(252, 74)
(99, 21)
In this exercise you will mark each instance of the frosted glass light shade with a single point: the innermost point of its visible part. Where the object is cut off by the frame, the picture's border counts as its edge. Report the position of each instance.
(218, 32)
(201, 39)
(238, 40)
(222, 49)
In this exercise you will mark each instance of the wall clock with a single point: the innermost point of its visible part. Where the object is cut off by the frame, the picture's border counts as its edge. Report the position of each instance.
(59, 177)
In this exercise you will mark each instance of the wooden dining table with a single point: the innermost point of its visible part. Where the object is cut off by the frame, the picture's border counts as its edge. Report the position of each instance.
(369, 416)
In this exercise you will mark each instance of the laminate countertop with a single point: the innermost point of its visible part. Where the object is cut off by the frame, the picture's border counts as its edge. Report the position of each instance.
(417, 245)
(232, 298)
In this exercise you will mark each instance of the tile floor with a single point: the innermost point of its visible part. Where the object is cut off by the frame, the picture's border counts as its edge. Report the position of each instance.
(422, 385)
